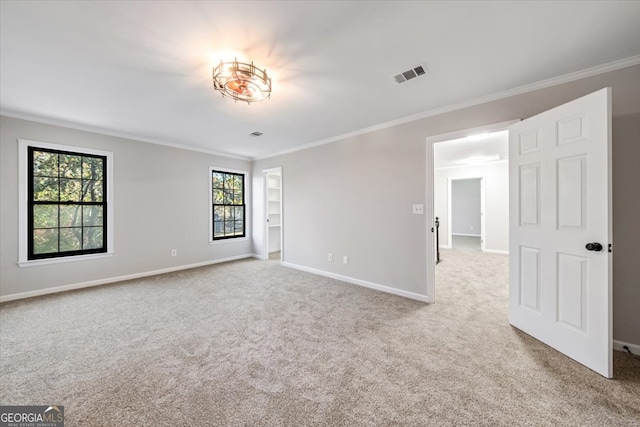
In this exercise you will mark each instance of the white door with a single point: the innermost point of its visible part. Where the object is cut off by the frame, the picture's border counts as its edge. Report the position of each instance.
(560, 211)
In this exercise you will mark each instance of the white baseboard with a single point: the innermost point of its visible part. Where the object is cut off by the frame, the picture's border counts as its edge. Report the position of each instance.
(465, 235)
(40, 292)
(445, 246)
(495, 251)
(364, 283)
(619, 345)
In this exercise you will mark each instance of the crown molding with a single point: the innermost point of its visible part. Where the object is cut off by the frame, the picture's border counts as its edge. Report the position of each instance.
(110, 132)
(566, 78)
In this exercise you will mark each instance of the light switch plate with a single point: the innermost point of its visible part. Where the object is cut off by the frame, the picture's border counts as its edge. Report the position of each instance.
(418, 209)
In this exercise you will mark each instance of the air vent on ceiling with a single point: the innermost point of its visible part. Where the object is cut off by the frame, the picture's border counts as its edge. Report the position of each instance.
(410, 74)
(256, 133)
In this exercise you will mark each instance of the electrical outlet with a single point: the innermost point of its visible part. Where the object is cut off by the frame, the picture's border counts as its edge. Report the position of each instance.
(345, 259)
(330, 257)
(174, 252)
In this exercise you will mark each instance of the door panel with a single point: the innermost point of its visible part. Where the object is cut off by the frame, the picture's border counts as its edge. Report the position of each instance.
(560, 187)
(572, 209)
(572, 298)
(530, 195)
(530, 278)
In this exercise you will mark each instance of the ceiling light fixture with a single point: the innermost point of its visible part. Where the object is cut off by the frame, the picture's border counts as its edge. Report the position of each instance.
(242, 81)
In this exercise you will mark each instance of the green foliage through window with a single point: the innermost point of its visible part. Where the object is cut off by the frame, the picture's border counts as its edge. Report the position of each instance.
(228, 205)
(67, 203)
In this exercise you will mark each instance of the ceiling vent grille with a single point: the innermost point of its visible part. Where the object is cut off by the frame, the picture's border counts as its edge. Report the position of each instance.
(410, 74)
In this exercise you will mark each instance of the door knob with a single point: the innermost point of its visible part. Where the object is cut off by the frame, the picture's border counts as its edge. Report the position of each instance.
(595, 246)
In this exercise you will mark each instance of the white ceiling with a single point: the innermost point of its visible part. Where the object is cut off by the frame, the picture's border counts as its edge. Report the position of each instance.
(143, 69)
(472, 150)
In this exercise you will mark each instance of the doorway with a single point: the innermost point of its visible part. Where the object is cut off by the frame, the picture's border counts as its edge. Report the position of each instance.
(480, 154)
(551, 297)
(273, 220)
(466, 213)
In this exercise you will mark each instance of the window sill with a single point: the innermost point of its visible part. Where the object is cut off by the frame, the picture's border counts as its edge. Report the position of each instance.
(35, 262)
(219, 242)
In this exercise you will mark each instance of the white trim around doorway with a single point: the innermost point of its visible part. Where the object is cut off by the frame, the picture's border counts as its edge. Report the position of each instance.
(430, 212)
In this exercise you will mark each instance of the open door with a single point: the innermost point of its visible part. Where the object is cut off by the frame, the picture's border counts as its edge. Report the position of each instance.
(560, 229)
(272, 243)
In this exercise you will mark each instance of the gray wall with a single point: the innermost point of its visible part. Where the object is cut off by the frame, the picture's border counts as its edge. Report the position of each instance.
(465, 207)
(496, 176)
(160, 203)
(626, 228)
(353, 197)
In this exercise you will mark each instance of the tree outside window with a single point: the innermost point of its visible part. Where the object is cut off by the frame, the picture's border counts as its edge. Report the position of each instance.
(67, 203)
(228, 205)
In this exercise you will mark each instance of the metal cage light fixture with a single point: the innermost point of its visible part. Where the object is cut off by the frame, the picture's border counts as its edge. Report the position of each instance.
(242, 81)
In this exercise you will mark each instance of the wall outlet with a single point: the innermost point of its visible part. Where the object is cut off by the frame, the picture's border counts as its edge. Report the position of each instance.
(345, 259)
(418, 209)
(174, 252)
(330, 257)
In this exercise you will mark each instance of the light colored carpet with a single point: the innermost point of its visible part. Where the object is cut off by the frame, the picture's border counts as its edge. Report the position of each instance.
(250, 343)
(469, 243)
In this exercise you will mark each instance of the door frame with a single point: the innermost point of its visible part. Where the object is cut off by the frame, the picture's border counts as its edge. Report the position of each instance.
(265, 214)
(482, 210)
(430, 210)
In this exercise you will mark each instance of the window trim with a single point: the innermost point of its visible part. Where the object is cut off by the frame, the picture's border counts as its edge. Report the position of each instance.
(230, 239)
(23, 202)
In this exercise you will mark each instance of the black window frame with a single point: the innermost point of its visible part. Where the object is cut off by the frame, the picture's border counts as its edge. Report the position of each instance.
(243, 205)
(31, 203)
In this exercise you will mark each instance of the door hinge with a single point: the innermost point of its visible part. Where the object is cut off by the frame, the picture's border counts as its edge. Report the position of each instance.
(610, 247)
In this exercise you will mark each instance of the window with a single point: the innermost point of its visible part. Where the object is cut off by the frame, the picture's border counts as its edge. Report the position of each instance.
(67, 203)
(228, 207)
(64, 210)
